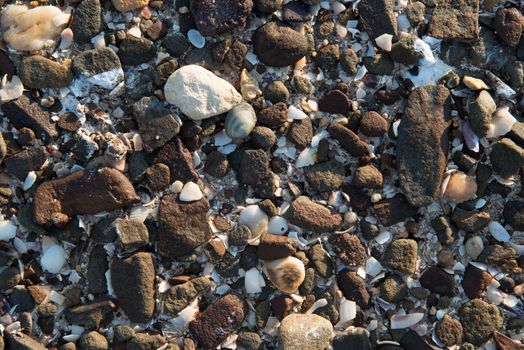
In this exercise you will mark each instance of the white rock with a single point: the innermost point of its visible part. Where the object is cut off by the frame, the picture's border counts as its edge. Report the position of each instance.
(53, 259)
(190, 192)
(474, 246)
(196, 38)
(7, 230)
(176, 186)
(277, 225)
(498, 232)
(254, 281)
(199, 93)
(254, 218)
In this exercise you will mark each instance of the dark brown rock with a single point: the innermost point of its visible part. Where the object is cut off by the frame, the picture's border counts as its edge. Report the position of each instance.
(254, 167)
(394, 210)
(274, 247)
(373, 124)
(217, 164)
(90, 315)
(353, 287)
(438, 281)
(300, 133)
(311, 216)
(21, 163)
(514, 214)
(176, 156)
(158, 177)
(475, 281)
(334, 101)
(325, 177)
(349, 249)
(273, 116)
(377, 17)
(217, 16)
(401, 255)
(348, 140)
(508, 24)
(455, 20)
(501, 257)
(449, 331)
(470, 221)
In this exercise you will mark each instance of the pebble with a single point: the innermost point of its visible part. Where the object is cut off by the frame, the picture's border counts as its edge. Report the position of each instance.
(190, 192)
(438, 281)
(373, 124)
(334, 101)
(273, 247)
(401, 255)
(506, 157)
(133, 51)
(480, 111)
(278, 45)
(312, 216)
(353, 287)
(287, 274)
(349, 249)
(449, 331)
(39, 72)
(475, 281)
(213, 17)
(305, 331)
(479, 320)
(377, 18)
(87, 20)
(508, 23)
(128, 5)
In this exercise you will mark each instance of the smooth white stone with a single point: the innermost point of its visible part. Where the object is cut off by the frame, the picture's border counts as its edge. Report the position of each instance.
(498, 232)
(190, 192)
(474, 246)
(7, 230)
(254, 218)
(277, 225)
(66, 38)
(53, 259)
(176, 186)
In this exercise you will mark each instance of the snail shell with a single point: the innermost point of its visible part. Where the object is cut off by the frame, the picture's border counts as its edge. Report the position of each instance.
(286, 274)
(240, 121)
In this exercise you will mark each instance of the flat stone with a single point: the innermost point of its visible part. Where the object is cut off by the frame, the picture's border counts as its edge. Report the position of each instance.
(84, 192)
(24, 113)
(325, 177)
(180, 296)
(97, 61)
(218, 321)
(87, 20)
(39, 72)
(274, 247)
(305, 332)
(455, 20)
(480, 110)
(133, 280)
(183, 226)
(394, 210)
(90, 315)
(128, 5)
(179, 160)
(213, 17)
(401, 255)
(479, 320)
(21, 163)
(424, 128)
(132, 234)
(312, 216)
(506, 157)
(377, 17)
(348, 140)
(470, 221)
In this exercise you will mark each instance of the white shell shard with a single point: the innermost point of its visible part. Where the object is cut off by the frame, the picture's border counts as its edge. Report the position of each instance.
(373, 267)
(347, 311)
(199, 93)
(11, 90)
(254, 218)
(66, 38)
(53, 259)
(384, 42)
(502, 123)
(254, 281)
(498, 232)
(196, 39)
(190, 192)
(32, 29)
(7, 230)
(295, 113)
(221, 139)
(406, 321)
(277, 225)
(306, 157)
(29, 180)
(472, 140)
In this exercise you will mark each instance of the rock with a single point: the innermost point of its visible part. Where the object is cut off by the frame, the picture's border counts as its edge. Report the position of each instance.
(506, 157)
(287, 274)
(348, 140)
(368, 176)
(20, 341)
(412, 341)
(311, 216)
(24, 113)
(470, 221)
(327, 58)
(349, 249)
(92, 62)
(133, 280)
(349, 61)
(273, 116)
(216, 164)
(268, 6)
(90, 315)
(108, 190)
(506, 343)
(304, 332)
(377, 18)
(380, 64)
(199, 93)
(31, 29)
(334, 101)
(480, 110)
(96, 270)
(148, 341)
(325, 177)
(158, 177)
(445, 231)
(356, 338)
(274, 247)
(249, 341)
(499, 257)
(401, 255)
(180, 296)
(134, 51)
(278, 45)
(240, 121)
(393, 289)
(424, 127)
(128, 5)
(514, 214)
(479, 320)
(132, 234)
(475, 281)
(438, 281)
(263, 137)
(180, 162)
(320, 260)
(254, 167)
(218, 321)
(517, 132)
(508, 23)
(474, 246)
(21, 163)
(93, 341)
(39, 72)
(415, 12)
(296, 12)
(394, 210)
(9, 278)
(183, 226)
(213, 17)
(455, 20)
(87, 20)
(373, 124)
(276, 92)
(449, 331)
(353, 287)
(404, 51)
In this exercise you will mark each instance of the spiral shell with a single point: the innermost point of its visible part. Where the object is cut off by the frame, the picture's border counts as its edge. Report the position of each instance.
(240, 121)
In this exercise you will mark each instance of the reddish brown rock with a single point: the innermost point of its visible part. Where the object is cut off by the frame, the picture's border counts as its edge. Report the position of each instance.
(176, 156)
(349, 249)
(348, 140)
(508, 24)
(84, 192)
(475, 281)
(373, 124)
(312, 216)
(274, 247)
(353, 287)
(334, 102)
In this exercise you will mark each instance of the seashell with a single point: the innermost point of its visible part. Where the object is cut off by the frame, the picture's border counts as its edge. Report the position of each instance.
(406, 321)
(254, 281)
(286, 274)
(277, 225)
(460, 187)
(66, 38)
(53, 258)
(384, 42)
(190, 192)
(11, 90)
(240, 121)
(7, 230)
(249, 86)
(502, 122)
(29, 180)
(498, 232)
(373, 267)
(254, 218)
(474, 246)
(347, 312)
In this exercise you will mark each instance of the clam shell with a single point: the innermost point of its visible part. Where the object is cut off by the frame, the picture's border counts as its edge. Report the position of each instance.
(286, 274)
(240, 121)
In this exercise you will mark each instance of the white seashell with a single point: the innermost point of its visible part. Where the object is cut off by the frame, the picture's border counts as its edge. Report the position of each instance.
(249, 86)
(221, 139)
(29, 180)
(502, 123)
(57, 298)
(140, 213)
(472, 140)
(347, 311)
(384, 42)
(373, 267)
(99, 41)
(494, 295)
(7, 230)
(254, 218)
(474, 246)
(498, 232)
(317, 305)
(460, 187)
(11, 90)
(306, 157)
(190, 192)
(383, 237)
(253, 281)
(53, 259)
(196, 39)
(295, 113)
(176, 186)
(66, 38)
(20, 245)
(338, 8)
(286, 274)
(406, 321)
(135, 31)
(227, 149)
(480, 203)
(277, 225)
(240, 121)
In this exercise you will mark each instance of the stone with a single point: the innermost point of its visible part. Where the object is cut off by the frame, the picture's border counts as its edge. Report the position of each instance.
(377, 17)
(301, 133)
(470, 221)
(278, 45)
(39, 72)
(506, 343)
(353, 287)
(156, 123)
(132, 234)
(320, 260)
(199, 93)
(21, 163)
(500, 257)
(93, 341)
(348, 248)
(31, 29)
(263, 137)
(480, 110)
(21, 341)
(304, 332)
(96, 270)
(373, 124)
(302, 84)
(349, 61)
(109, 190)
(274, 247)
(424, 127)
(415, 12)
(514, 214)
(438, 281)
(380, 64)
(134, 51)
(412, 341)
(273, 116)
(325, 177)
(475, 281)
(158, 177)
(128, 5)
(368, 176)
(268, 6)
(404, 51)
(276, 92)
(449, 331)
(401, 255)
(148, 341)
(508, 23)
(393, 289)
(91, 315)
(180, 296)
(506, 157)
(328, 56)
(218, 321)
(133, 280)
(356, 338)
(312, 216)
(213, 17)
(216, 164)
(348, 140)
(87, 20)
(479, 320)
(296, 12)
(183, 226)
(89, 63)
(9, 277)
(254, 167)
(445, 231)
(179, 160)
(455, 20)
(334, 101)
(392, 211)
(249, 341)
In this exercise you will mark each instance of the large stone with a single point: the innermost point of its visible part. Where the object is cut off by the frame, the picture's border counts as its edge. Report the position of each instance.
(216, 16)
(422, 145)
(480, 110)
(305, 332)
(199, 93)
(455, 20)
(312, 216)
(21, 341)
(87, 20)
(377, 17)
(353, 287)
(133, 280)
(21, 163)
(39, 72)
(506, 157)
(325, 177)
(278, 45)
(475, 281)
(84, 192)
(401, 255)
(392, 211)
(508, 24)
(349, 249)
(183, 226)
(180, 296)
(348, 140)
(92, 62)
(479, 320)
